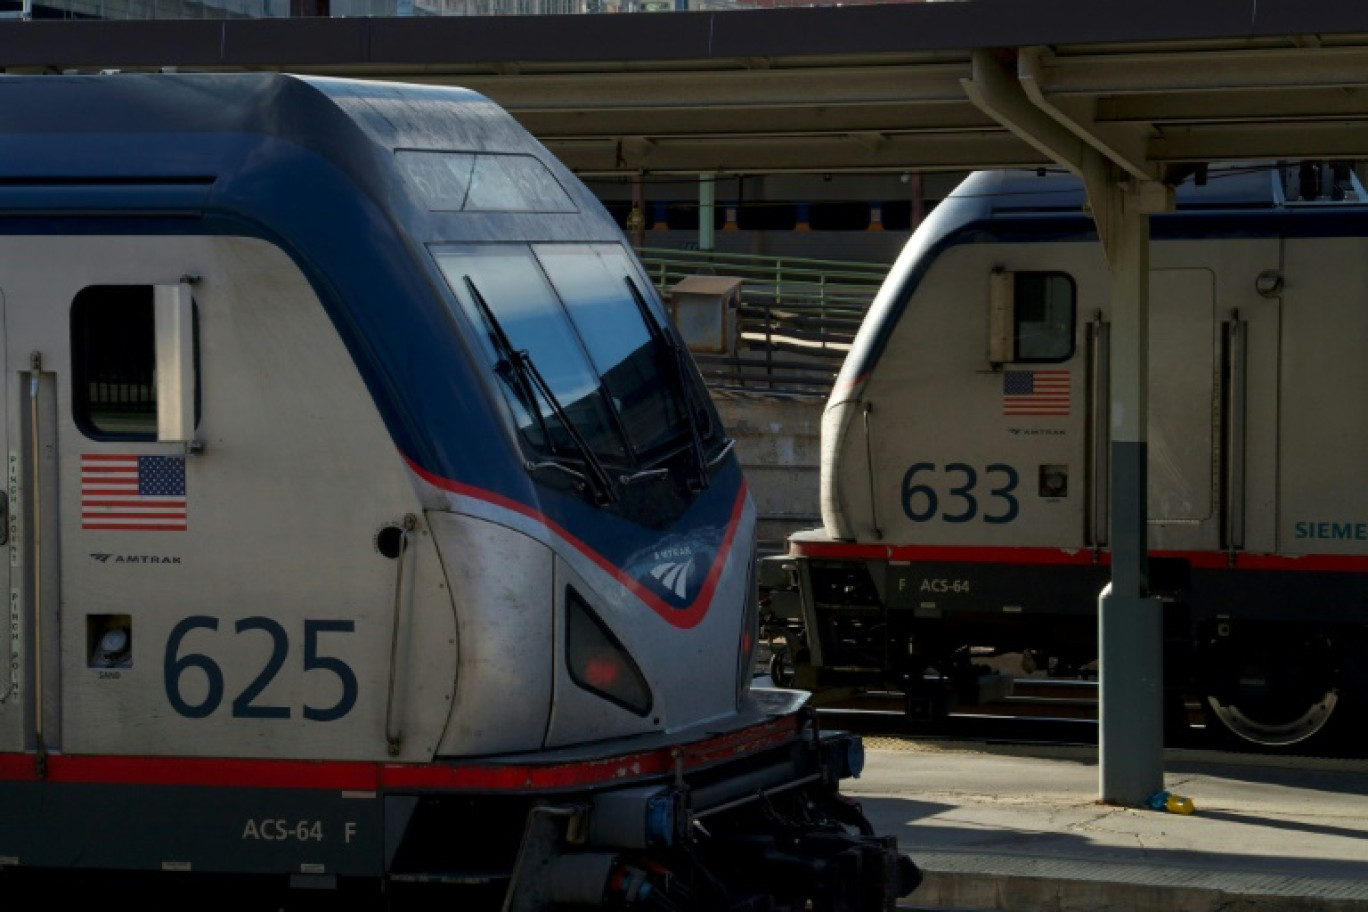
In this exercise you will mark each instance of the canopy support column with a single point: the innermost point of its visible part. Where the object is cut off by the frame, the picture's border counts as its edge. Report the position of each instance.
(1123, 190)
(707, 207)
(1130, 620)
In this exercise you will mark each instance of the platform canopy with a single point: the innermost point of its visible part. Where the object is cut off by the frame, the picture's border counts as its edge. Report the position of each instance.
(828, 89)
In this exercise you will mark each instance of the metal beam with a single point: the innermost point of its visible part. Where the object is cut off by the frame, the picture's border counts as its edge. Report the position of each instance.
(1228, 142)
(934, 83)
(1261, 105)
(994, 89)
(795, 154)
(1123, 145)
(751, 122)
(1126, 72)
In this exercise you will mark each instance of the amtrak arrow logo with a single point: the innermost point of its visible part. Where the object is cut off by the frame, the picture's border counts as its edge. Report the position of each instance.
(674, 575)
(676, 569)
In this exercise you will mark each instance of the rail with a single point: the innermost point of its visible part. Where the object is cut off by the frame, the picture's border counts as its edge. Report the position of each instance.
(796, 321)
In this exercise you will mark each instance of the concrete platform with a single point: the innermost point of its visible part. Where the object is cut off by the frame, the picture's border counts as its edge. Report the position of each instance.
(1020, 829)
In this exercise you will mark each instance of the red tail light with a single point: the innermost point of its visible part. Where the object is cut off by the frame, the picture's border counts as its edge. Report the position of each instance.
(598, 662)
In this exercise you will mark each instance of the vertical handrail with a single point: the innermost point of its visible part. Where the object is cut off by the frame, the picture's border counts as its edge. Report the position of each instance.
(869, 473)
(778, 298)
(1098, 435)
(9, 670)
(769, 344)
(1234, 495)
(36, 514)
(394, 738)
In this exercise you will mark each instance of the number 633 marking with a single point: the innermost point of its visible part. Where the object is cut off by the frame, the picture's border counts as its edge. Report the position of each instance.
(921, 501)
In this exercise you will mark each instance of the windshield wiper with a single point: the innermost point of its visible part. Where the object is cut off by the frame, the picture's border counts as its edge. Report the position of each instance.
(681, 360)
(527, 378)
(644, 475)
(722, 453)
(508, 361)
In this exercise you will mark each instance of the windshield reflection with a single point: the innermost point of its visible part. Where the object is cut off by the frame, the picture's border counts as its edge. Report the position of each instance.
(571, 309)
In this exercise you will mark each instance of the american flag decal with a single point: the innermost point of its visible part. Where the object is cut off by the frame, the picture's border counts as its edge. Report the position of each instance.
(129, 493)
(1035, 392)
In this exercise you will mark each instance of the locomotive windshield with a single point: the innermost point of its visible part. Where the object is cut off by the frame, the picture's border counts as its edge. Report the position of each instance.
(575, 316)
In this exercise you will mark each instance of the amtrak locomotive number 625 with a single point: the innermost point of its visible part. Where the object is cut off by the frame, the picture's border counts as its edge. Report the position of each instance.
(366, 518)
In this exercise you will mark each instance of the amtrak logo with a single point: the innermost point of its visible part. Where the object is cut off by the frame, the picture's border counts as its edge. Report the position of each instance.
(674, 575)
(134, 558)
(676, 569)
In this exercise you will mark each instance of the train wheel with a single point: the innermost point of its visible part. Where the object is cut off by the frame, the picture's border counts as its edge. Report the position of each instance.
(781, 667)
(1272, 694)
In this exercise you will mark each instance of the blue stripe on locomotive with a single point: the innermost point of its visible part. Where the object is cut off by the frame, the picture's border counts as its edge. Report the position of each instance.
(279, 158)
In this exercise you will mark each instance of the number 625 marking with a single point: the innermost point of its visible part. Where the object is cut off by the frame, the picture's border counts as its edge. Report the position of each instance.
(245, 705)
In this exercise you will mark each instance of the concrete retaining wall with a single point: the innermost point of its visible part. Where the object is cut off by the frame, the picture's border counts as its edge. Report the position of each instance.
(778, 440)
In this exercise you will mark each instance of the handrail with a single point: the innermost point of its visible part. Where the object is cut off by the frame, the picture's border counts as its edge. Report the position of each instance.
(857, 270)
(796, 321)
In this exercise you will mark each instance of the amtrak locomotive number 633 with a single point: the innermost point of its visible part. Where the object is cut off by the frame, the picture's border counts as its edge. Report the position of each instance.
(367, 518)
(965, 476)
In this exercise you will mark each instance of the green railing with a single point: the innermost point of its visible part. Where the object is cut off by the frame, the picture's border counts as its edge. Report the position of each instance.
(796, 320)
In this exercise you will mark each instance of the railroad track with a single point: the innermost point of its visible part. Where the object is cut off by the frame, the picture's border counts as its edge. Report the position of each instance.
(1035, 709)
(1064, 699)
(1055, 711)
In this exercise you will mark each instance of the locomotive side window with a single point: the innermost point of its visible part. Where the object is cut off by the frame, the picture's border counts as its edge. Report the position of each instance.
(1043, 316)
(114, 359)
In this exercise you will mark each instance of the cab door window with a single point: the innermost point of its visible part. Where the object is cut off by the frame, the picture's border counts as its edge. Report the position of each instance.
(114, 359)
(1044, 317)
